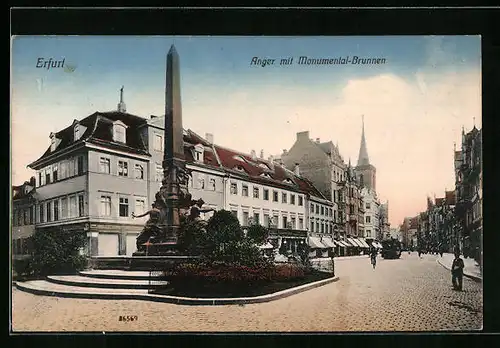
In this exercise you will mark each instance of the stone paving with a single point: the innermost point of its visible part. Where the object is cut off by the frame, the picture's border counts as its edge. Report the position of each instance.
(407, 294)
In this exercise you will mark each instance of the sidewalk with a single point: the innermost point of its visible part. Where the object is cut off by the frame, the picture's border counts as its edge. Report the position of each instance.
(471, 268)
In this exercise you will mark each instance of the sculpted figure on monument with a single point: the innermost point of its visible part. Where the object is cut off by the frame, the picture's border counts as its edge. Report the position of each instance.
(196, 209)
(151, 229)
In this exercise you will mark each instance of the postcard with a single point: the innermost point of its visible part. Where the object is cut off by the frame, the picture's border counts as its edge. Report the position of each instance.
(246, 184)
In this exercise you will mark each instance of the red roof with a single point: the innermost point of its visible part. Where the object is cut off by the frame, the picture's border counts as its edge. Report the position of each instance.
(249, 168)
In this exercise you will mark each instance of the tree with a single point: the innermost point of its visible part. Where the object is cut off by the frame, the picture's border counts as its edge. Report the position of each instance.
(222, 228)
(58, 251)
(258, 234)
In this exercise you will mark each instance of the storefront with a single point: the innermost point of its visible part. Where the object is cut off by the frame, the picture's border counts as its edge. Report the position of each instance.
(112, 239)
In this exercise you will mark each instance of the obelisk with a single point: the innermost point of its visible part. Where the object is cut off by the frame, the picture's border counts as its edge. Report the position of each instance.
(173, 157)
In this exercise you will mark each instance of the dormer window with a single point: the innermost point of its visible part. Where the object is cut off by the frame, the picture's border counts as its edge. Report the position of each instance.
(288, 181)
(119, 132)
(76, 132)
(265, 175)
(263, 166)
(239, 158)
(54, 142)
(198, 152)
(239, 168)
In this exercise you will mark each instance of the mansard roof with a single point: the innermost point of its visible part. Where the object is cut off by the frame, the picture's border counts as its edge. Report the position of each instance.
(99, 132)
(246, 167)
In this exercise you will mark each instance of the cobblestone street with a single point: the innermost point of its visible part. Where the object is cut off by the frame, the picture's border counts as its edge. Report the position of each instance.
(408, 294)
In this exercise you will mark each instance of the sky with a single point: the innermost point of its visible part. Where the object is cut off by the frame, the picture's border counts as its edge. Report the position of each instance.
(414, 105)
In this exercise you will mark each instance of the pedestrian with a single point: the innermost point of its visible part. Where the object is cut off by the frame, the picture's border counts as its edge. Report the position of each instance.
(457, 271)
(373, 257)
(420, 252)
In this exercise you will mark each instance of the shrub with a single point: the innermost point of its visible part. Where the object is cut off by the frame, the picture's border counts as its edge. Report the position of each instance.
(22, 267)
(192, 237)
(58, 252)
(258, 234)
(223, 227)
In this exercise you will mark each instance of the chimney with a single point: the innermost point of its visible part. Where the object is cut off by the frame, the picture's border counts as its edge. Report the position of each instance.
(253, 154)
(317, 140)
(262, 154)
(271, 159)
(303, 135)
(296, 170)
(209, 137)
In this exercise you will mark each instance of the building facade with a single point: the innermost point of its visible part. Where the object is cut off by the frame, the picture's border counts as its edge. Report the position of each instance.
(23, 218)
(468, 187)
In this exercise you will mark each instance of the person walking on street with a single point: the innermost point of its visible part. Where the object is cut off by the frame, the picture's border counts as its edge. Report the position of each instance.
(457, 271)
(373, 256)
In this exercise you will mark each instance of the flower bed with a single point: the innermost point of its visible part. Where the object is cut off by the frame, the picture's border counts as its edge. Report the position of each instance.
(223, 280)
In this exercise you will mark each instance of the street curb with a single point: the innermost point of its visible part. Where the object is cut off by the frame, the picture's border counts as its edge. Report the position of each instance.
(180, 300)
(474, 278)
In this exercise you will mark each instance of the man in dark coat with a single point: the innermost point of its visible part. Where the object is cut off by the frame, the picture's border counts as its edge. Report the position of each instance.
(457, 271)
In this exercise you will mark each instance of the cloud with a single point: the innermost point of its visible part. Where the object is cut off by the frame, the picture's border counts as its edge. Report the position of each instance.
(410, 123)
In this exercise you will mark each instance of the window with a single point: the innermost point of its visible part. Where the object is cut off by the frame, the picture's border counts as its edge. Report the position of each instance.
(317, 226)
(368, 233)
(56, 210)
(140, 206)
(312, 207)
(80, 165)
(322, 210)
(245, 219)
(122, 168)
(292, 199)
(285, 220)
(47, 176)
(123, 207)
(317, 208)
(71, 169)
(40, 179)
(301, 201)
(32, 214)
(159, 172)
(235, 213)
(267, 220)
(212, 184)
(368, 219)
(77, 132)
(54, 172)
(42, 213)
(25, 216)
(266, 194)
(312, 226)
(158, 142)
(255, 192)
(104, 165)
(139, 171)
(119, 133)
(275, 196)
(81, 206)
(244, 191)
(105, 205)
(256, 218)
(72, 206)
(301, 223)
(202, 183)
(49, 212)
(284, 197)
(367, 205)
(292, 220)
(64, 208)
(234, 188)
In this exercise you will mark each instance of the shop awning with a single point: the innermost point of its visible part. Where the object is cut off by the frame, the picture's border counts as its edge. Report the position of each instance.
(377, 245)
(364, 243)
(328, 242)
(358, 242)
(266, 246)
(346, 243)
(315, 242)
(351, 240)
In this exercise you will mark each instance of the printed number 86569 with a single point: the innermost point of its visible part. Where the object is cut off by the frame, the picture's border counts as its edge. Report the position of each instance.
(128, 318)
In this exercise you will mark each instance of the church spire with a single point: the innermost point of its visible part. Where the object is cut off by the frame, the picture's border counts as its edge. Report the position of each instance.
(121, 105)
(363, 153)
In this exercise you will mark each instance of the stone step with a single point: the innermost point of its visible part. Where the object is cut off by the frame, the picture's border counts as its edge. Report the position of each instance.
(87, 282)
(118, 274)
(44, 287)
